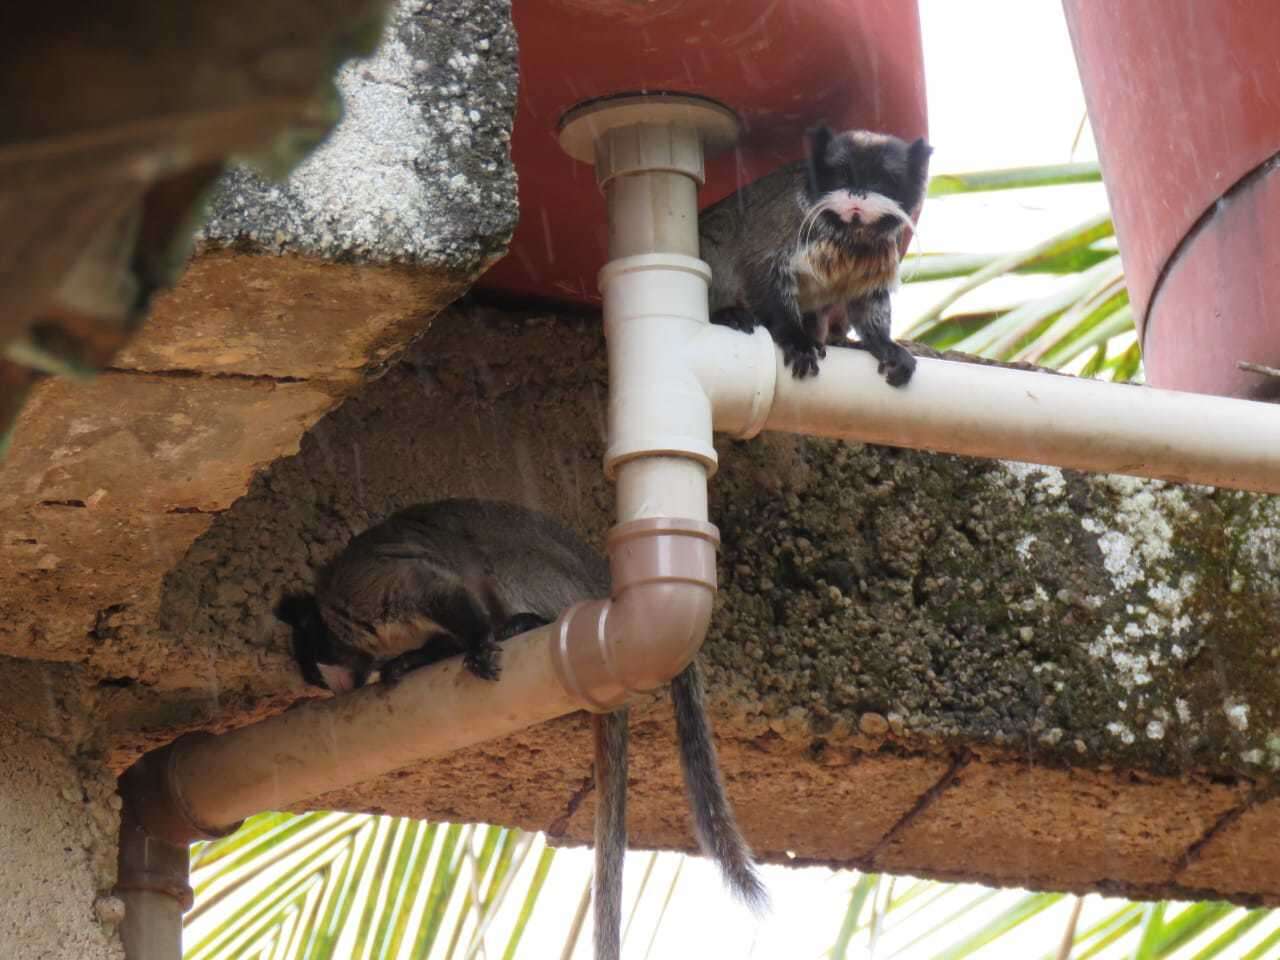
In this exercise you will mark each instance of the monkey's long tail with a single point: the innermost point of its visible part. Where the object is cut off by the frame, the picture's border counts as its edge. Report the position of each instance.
(610, 731)
(713, 819)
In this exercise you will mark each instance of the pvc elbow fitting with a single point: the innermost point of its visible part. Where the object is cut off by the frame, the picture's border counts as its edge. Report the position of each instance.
(664, 584)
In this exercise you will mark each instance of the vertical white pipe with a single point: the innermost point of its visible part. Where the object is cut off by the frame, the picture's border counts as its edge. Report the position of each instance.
(655, 299)
(661, 487)
(651, 212)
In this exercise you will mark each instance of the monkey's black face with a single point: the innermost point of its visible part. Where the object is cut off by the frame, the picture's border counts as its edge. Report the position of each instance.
(323, 661)
(863, 186)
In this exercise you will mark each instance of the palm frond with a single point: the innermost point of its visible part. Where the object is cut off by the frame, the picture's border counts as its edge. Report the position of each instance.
(1087, 311)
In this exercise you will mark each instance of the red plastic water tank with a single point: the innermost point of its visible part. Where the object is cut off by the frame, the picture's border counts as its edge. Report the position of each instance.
(781, 65)
(1185, 104)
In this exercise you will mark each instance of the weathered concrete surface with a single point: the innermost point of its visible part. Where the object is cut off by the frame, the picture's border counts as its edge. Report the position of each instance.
(108, 483)
(102, 185)
(956, 668)
(297, 295)
(1241, 856)
(419, 170)
(59, 817)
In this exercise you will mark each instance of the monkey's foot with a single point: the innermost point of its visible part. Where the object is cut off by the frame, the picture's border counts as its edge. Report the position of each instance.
(897, 367)
(894, 362)
(482, 660)
(803, 358)
(736, 318)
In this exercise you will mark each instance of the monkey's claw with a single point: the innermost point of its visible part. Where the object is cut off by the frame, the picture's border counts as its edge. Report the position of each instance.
(803, 360)
(520, 623)
(394, 669)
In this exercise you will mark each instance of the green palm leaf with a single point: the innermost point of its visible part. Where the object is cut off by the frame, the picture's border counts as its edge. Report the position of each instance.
(1014, 178)
(1087, 311)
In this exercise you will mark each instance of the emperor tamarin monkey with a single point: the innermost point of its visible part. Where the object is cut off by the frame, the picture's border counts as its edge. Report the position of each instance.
(813, 248)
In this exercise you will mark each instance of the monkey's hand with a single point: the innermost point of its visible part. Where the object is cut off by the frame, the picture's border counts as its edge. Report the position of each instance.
(869, 316)
(482, 660)
(802, 356)
(395, 668)
(894, 362)
(520, 623)
(897, 366)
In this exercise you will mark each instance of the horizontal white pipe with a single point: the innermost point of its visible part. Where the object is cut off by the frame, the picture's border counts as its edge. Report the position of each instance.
(985, 411)
(326, 745)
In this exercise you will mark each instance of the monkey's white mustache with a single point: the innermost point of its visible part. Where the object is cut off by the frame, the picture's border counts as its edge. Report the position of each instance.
(867, 207)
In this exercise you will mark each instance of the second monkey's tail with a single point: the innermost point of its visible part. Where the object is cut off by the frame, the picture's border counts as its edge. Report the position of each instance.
(610, 732)
(713, 819)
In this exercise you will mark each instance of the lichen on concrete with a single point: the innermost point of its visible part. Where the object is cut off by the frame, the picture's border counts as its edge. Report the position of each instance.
(418, 170)
(982, 602)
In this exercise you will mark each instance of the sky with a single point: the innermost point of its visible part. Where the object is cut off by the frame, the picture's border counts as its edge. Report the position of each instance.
(1003, 92)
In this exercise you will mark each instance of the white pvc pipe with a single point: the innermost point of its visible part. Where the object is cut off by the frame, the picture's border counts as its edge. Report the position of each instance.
(661, 487)
(653, 211)
(984, 411)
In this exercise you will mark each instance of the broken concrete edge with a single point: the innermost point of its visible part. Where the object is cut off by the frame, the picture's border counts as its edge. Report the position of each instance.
(418, 171)
(138, 184)
(912, 840)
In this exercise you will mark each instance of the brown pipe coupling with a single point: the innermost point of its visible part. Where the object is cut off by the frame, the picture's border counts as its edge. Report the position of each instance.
(664, 584)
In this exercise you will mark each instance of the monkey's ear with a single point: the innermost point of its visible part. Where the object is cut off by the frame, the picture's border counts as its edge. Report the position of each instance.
(816, 141)
(918, 158)
(297, 609)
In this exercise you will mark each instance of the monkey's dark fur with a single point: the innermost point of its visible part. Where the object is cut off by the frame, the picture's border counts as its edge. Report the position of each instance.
(812, 248)
(457, 576)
